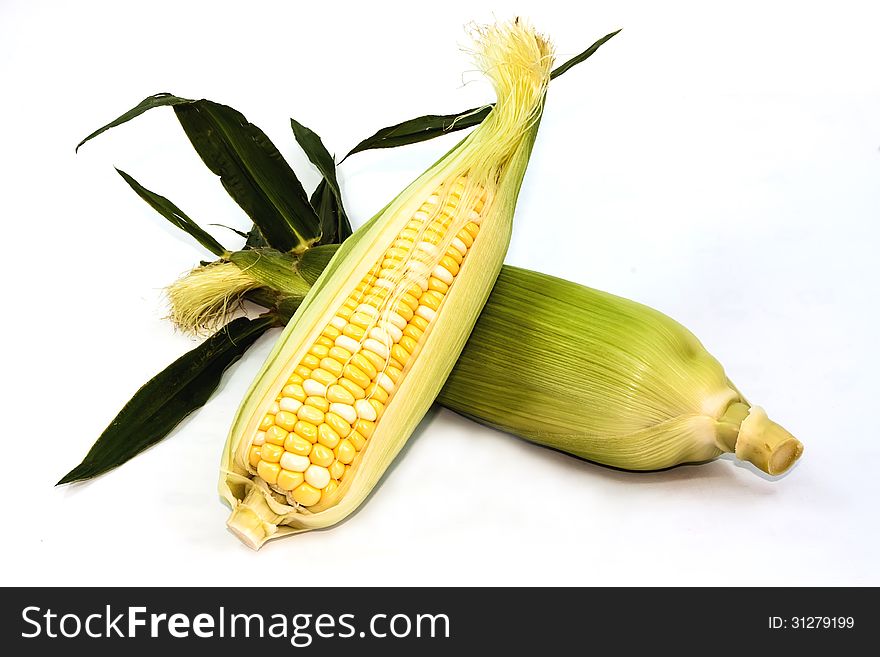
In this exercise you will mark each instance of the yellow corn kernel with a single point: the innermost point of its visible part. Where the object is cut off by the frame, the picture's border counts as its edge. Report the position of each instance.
(409, 343)
(337, 469)
(310, 414)
(319, 350)
(393, 372)
(296, 444)
(400, 354)
(288, 480)
(364, 364)
(295, 379)
(356, 375)
(327, 436)
(361, 320)
(285, 420)
(321, 455)
(266, 422)
(294, 391)
(254, 456)
(306, 495)
(375, 360)
(317, 402)
(331, 365)
(310, 361)
(419, 322)
(363, 427)
(340, 354)
(375, 391)
(337, 423)
(345, 452)
(357, 440)
(306, 430)
(303, 371)
(271, 453)
(437, 285)
(268, 472)
(276, 435)
(353, 331)
(331, 332)
(336, 394)
(323, 377)
(431, 299)
(329, 489)
(324, 341)
(355, 390)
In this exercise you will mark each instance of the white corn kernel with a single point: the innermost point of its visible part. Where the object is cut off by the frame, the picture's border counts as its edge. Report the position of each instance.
(459, 246)
(314, 388)
(367, 309)
(376, 347)
(338, 322)
(289, 404)
(365, 410)
(349, 344)
(394, 332)
(443, 274)
(260, 438)
(294, 462)
(425, 313)
(380, 334)
(345, 411)
(397, 320)
(385, 382)
(317, 476)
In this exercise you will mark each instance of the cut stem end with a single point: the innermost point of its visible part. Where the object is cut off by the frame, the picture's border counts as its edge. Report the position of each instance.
(765, 444)
(252, 521)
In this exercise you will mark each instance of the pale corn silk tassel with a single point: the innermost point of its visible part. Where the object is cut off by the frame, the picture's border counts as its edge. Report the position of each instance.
(368, 350)
(205, 298)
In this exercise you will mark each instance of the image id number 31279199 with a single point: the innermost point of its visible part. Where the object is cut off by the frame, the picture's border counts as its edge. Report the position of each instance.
(811, 623)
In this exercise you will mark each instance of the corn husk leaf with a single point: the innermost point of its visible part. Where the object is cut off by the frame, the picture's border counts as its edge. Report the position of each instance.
(175, 215)
(249, 165)
(167, 398)
(327, 197)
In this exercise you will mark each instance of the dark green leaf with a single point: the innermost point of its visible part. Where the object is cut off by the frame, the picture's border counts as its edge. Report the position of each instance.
(422, 128)
(273, 269)
(335, 227)
(430, 126)
(255, 239)
(327, 198)
(159, 100)
(253, 172)
(586, 54)
(250, 167)
(169, 397)
(240, 233)
(175, 215)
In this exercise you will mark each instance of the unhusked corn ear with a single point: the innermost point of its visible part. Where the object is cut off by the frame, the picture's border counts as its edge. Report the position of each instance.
(606, 379)
(375, 338)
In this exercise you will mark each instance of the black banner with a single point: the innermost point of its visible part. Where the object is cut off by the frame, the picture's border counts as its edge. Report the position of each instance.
(435, 621)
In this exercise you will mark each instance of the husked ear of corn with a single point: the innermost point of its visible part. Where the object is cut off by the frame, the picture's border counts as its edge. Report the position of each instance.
(369, 348)
(606, 379)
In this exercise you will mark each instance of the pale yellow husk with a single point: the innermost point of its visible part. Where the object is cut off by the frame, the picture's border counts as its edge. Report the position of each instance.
(493, 158)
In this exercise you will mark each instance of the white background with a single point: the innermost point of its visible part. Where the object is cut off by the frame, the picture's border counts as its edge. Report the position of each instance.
(719, 165)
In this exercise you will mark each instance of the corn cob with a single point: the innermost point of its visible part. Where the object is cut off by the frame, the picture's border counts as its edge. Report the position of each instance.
(369, 347)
